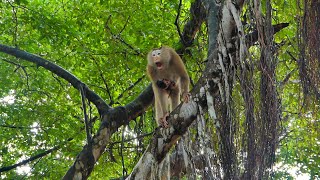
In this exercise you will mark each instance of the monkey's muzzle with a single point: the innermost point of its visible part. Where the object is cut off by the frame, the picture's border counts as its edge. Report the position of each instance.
(159, 65)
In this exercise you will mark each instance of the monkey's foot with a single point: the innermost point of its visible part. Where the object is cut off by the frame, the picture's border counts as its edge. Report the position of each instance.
(163, 121)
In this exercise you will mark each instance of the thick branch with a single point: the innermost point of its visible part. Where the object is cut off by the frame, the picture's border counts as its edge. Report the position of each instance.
(253, 37)
(197, 17)
(76, 83)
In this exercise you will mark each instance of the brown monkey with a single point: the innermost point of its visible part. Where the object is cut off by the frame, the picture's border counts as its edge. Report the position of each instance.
(169, 79)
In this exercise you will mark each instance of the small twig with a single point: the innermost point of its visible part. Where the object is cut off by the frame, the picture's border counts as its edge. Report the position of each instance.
(177, 23)
(292, 57)
(124, 171)
(125, 25)
(8, 168)
(130, 139)
(90, 116)
(19, 67)
(34, 165)
(286, 79)
(111, 145)
(57, 79)
(19, 127)
(119, 38)
(104, 80)
(11, 62)
(86, 121)
(130, 87)
(15, 19)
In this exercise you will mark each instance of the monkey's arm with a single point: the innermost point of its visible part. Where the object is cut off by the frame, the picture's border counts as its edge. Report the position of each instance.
(184, 78)
(185, 81)
(151, 73)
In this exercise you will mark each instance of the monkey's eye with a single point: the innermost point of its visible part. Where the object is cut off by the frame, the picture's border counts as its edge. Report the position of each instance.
(153, 54)
(159, 53)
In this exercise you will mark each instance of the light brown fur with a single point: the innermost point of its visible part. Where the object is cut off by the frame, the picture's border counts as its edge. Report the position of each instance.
(172, 72)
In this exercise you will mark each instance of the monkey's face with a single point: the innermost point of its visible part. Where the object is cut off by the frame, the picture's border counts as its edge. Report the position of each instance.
(156, 59)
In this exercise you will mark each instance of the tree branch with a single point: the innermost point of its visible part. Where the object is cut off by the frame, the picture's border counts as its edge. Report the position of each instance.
(253, 37)
(197, 17)
(85, 116)
(176, 22)
(8, 168)
(119, 38)
(131, 86)
(101, 105)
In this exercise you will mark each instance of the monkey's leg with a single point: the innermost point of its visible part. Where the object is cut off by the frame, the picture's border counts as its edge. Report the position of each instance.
(162, 107)
(158, 110)
(175, 99)
(157, 104)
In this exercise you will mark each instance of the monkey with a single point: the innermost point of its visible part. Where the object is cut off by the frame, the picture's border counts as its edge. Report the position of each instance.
(169, 79)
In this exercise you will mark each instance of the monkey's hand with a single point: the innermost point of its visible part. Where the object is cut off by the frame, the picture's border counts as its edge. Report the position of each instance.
(166, 84)
(162, 85)
(186, 97)
(163, 121)
(171, 84)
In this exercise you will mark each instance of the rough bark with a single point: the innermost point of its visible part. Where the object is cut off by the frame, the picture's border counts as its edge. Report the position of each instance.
(309, 57)
(270, 109)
